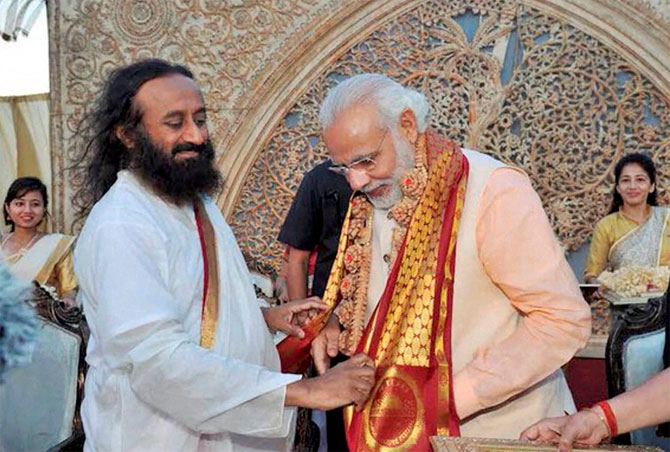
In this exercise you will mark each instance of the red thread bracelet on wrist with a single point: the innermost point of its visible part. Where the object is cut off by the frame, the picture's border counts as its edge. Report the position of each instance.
(609, 417)
(599, 414)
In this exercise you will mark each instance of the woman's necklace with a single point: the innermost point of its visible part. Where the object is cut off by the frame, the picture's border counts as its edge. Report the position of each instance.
(14, 257)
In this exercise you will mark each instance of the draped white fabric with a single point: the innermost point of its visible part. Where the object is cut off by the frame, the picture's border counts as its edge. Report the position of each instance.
(25, 147)
(150, 386)
(19, 17)
(24, 59)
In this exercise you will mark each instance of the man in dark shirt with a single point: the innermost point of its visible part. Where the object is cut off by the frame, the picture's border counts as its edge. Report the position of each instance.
(313, 224)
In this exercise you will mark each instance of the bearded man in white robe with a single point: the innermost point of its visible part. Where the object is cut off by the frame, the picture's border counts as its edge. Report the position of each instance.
(180, 353)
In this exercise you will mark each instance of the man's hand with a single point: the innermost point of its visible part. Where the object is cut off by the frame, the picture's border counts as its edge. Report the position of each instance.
(285, 317)
(326, 345)
(584, 428)
(349, 382)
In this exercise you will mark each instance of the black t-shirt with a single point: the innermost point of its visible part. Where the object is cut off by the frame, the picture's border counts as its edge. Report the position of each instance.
(315, 219)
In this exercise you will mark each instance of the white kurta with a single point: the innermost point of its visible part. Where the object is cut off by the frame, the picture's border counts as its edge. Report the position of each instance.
(150, 386)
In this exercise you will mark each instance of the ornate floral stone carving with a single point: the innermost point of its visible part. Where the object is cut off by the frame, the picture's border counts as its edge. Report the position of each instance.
(528, 81)
(658, 10)
(503, 78)
(232, 47)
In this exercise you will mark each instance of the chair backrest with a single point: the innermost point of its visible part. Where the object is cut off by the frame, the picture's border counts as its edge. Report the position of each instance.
(577, 260)
(39, 403)
(643, 358)
(39, 400)
(634, 354)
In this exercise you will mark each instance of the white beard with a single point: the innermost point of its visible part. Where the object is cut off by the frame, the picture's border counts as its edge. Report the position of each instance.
(404, 162)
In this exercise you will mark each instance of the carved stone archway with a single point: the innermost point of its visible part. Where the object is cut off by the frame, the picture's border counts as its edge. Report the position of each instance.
(559, 88)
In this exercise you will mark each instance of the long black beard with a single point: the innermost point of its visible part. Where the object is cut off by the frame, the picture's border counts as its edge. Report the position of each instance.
(179, 182)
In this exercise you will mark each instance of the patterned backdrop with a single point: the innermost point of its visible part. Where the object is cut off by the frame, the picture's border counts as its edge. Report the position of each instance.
(506, 79)
(554, 87)
(231, 47)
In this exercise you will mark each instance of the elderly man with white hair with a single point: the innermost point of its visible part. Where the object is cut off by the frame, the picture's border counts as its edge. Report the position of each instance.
(448, 276)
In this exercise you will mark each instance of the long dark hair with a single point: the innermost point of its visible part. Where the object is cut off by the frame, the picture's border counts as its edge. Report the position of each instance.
(647, 165)
(102, 153)
(20, 187)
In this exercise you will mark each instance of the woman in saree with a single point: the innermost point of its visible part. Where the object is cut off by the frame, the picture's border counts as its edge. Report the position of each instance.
(30, 254)
(635, 232)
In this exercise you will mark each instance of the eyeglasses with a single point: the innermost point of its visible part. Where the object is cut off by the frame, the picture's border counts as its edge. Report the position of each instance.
(366, 163)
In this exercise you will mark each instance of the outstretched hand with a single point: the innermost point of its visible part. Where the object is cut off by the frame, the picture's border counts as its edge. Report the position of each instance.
(583, 428)
(286, 317)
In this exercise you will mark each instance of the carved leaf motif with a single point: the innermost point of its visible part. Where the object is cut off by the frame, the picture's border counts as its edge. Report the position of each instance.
(556, 102)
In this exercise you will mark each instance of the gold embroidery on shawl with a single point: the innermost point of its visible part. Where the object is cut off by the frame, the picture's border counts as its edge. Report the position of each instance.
(417, 276)
(354, 286)
(401, 342)
(406, 332)
(210, 315)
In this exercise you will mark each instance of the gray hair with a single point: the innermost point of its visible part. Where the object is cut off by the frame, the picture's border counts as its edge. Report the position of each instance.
(390, 97)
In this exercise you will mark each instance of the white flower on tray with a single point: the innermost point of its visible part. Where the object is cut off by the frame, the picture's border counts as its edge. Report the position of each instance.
(636, 281)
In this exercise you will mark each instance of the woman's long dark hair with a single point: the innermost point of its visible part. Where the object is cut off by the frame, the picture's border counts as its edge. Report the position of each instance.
(101, 153)
(20, 187)
(647, 165)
